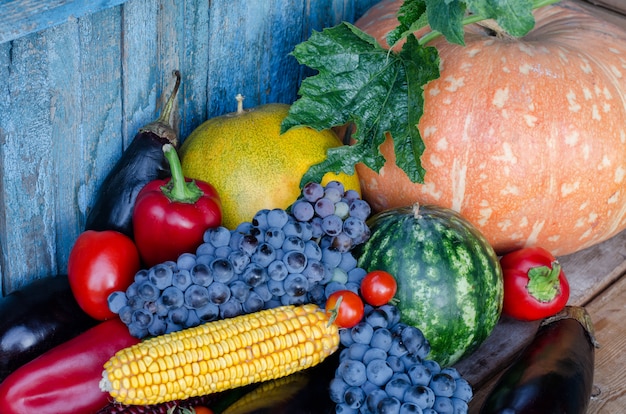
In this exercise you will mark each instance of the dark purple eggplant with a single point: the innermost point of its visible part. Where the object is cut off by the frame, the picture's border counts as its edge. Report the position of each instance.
(36, 318)
(554, 373)
(143, 161)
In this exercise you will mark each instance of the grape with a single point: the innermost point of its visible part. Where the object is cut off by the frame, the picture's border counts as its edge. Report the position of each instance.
(192, 319)
(126, 314)
(341, 242)
(181, 279)
(302, 210)
(264, 255)
(277, 218)
(239, 260)
(339, 276)
(254, 275)
(263, 291)
(312, 250)
(295, 261)
(196, 296)
(331, 257)
(443, 405)
(275, 237)
(338, 185)
(396, 388)
(379, 372)
(243, 227)
(354, 397)
(186, 261)
(389, 405)
(218, 293)
(248, 244)
(260, 219)
(205, 249)
(141, 318)
(356, 351)
(432, 365)
(337, 389)
(314, 271)
(352, 372)
(218, 236)
(223, 251)
(333, 193)
(397, 347)
(178, 315)
(415, 342)
(397, 365)
(463, 390)
(293, 228)
(362, 332)
(296, 284)
(316, 227)
(351, 195)
(201, 275)
(157, 326)
(293, 243)
(148, 291)
(205, 259)
(332, 225)
(419, 374)
(231, 308)
(375, 397)
(348, 262)
(277, 270)
(253, 303)
(372, 354)
(239, 290)
(381, 339)
(324, 207)
(172, 297)
(161, 275)
(354, 227)
(235, 239)
(316, 294)
(442, 384)
(140, 276)
(207, 313)
(222, 270)
(420, 395)
(410, 408)
(136, 330)
(459, 405)
(116, 301)
(360, 209)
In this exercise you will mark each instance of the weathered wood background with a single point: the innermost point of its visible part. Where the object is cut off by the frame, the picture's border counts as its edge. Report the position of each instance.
(78, 78)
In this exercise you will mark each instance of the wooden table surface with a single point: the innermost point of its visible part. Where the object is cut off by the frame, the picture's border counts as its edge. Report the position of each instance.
(598, 282)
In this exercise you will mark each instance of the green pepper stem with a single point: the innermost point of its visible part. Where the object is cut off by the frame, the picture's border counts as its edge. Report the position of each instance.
(178, 189)
(544, 283)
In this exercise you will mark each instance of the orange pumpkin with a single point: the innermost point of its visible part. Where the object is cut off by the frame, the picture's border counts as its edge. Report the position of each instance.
(526, 137)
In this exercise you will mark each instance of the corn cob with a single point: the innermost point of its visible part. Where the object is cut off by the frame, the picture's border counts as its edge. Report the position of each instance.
(221, 355)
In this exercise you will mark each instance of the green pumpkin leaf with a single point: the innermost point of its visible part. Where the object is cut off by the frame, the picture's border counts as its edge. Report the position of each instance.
(361, 82)
(514, 16)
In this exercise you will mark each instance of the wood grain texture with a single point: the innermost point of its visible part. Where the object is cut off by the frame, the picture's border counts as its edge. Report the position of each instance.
(75, 91)
(22, 17)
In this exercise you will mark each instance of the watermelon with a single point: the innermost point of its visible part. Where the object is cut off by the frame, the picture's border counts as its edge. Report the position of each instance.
(449, 278)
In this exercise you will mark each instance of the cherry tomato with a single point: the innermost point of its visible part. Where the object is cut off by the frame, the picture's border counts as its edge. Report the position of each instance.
(378, 287)
(345, 308)
(100, 263)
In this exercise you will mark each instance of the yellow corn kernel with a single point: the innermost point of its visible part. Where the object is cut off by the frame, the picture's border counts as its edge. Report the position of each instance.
(221, 355)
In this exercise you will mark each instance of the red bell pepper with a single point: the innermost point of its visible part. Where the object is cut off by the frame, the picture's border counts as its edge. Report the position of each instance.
(535, 285)
(65, 379)
(171, 215)
(101, 262)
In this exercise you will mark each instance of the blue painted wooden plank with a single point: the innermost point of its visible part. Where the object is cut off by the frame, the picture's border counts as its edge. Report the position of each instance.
(73, 96)
(22, 17)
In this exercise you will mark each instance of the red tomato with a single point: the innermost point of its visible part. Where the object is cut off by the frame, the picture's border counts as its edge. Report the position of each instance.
(535, 286)
(345, 308)
(100, 263)
(202, 410)
(378, 287)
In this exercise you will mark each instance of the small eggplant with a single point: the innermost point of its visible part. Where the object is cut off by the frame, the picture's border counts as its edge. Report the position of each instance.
(37, 318)
(554, 374)
(143, 161)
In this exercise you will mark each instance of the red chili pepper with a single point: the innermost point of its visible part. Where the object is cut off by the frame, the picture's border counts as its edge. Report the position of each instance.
(101, 262)
(171, 215)
(535, 285)
(65, 380)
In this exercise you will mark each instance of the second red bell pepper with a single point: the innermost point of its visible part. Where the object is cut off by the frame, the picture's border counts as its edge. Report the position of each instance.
(65, 380)
(171, 215)
(535, 285)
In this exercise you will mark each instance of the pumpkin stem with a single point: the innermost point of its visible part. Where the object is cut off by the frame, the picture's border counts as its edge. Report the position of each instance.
(494, 29)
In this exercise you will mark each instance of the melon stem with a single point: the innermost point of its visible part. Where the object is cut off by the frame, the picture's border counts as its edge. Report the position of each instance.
(239, 99)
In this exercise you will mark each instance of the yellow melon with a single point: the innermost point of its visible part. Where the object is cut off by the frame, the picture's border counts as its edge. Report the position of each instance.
(252, 166)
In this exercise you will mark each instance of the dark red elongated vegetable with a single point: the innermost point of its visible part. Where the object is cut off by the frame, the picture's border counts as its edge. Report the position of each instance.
(65, 379)
(554, 374)
(171, 215)
(36, 318)
(142, 162)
